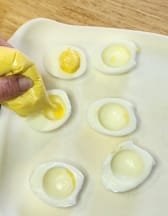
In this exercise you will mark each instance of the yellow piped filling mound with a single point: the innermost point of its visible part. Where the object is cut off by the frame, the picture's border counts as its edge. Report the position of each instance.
(69, 61)
(56, 109)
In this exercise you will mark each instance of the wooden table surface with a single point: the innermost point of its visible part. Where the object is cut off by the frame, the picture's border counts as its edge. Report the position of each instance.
(146, 15)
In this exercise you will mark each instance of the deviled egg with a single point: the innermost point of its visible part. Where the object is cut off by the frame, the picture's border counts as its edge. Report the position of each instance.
(112, 116)
(126, 168)
(116, 58)
(65, 62)
(53, 116)
(57, 183)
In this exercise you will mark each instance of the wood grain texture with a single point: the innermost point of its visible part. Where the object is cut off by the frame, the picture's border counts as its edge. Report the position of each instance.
(146, 15)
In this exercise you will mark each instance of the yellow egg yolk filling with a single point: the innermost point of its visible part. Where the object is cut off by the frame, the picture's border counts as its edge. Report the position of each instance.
(56, 110)
(69, 61)
(59, 182)
(116, 55)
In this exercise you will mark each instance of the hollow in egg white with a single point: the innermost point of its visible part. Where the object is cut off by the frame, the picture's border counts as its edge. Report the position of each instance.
(65, 62)
(117, 57)
(57, 183)
(112, 116)
(126, 168)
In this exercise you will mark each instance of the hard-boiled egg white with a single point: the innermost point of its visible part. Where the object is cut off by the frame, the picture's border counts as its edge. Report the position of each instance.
(126, 168)
(65, 62)
(112, 116)
(117, 57)
(54, 116)
(57, 183)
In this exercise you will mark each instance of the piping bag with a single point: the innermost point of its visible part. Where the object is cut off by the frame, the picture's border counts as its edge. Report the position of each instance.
(34, 100)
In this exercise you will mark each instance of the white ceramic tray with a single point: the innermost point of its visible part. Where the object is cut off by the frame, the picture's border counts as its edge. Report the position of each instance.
(22, 149)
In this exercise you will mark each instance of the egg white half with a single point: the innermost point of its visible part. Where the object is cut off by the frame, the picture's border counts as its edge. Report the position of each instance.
(51, 62)
(117, 183)
(95, 123)
(101, 66)
(40, 123)
(36, 184)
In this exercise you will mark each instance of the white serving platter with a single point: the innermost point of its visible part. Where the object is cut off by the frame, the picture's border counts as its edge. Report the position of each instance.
(23, 149)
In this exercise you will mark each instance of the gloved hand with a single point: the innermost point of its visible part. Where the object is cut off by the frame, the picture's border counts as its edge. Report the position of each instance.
(14, 85)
